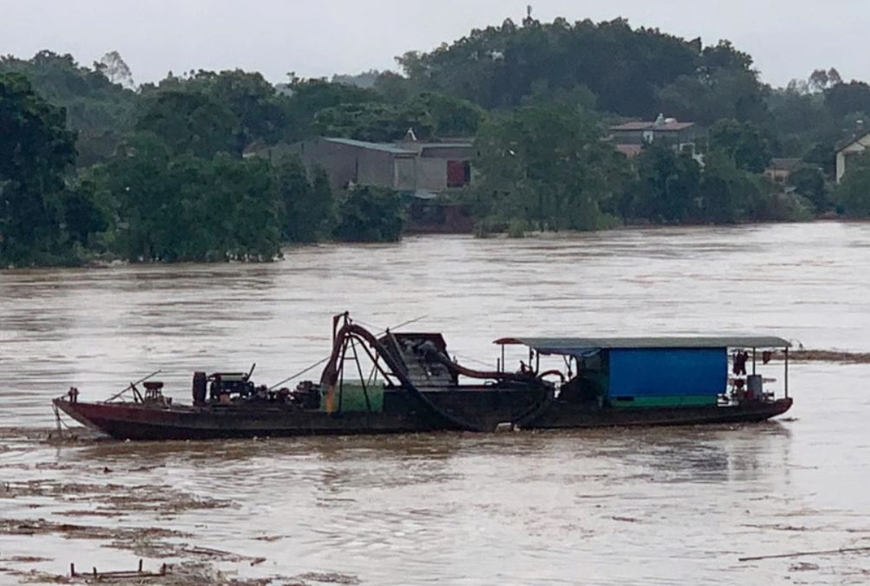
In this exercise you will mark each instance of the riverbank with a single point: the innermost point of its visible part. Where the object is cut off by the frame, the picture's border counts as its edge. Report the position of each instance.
(106, 260)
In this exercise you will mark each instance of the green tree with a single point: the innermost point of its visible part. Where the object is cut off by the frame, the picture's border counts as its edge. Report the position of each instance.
(500, 66)
(631, 72)
(366, 79)
(822, 154)
(116, 70)
(547, 166)
(242, 210)
(373, 122)
(308, 203)
(846, 98)
(853, 194)
(306, 98)
(668, 187)
(98, 110)
(717, 94)
(724, 56)
(191, 122)
(725, 190)
(149, 213)
(83, 213)
(252, 100)
(731, 195)
(369, 214)
(35, 149)
(809, 181)
(449, 116)
(394, 87)
(185, 208)
(743, 142)
(799, 120)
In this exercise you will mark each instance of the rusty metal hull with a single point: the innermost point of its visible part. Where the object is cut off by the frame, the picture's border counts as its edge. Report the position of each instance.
(561, 415)
(403, 412)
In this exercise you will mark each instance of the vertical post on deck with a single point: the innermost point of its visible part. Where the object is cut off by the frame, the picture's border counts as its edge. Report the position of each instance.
(786, 373)
(502, 358)
(753, 360)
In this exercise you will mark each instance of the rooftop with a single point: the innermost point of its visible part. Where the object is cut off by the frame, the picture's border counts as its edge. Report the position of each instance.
(445, 145)
(386, 147)
(784, 163)
(858, 137)
(570, 346)
(669, 125)
(401, 148)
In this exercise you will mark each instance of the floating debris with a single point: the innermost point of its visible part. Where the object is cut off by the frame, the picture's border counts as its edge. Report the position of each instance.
(329, 578)
(804, 567)
(116, 499)
(828, 356)
(219, 554)
(115, 576)
(26, 559)
(269, 538)
(626, 519)
(69, 530)
(842, 550)
(181, 574)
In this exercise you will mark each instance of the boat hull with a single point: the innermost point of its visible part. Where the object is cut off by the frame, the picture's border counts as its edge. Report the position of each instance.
(479, 409)
(562, 415)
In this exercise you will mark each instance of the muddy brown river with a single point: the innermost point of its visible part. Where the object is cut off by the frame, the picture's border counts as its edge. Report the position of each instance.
(665, 506)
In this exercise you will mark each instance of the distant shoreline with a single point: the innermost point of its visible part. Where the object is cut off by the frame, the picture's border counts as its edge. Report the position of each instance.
(105, 262)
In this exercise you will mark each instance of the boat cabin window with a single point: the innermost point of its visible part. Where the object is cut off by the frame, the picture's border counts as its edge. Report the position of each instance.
(593, 363)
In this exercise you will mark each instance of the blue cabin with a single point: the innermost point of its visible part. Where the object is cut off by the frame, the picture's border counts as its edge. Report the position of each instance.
(658, 371)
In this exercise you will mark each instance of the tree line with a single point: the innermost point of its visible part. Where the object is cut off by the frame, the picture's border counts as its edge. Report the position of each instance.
(91, 168)
(93, 165)
(551, 90)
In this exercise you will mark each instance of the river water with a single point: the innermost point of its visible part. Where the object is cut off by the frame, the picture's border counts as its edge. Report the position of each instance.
(614, 506)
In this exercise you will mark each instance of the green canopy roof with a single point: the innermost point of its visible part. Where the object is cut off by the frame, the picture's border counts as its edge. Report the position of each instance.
(579, 345)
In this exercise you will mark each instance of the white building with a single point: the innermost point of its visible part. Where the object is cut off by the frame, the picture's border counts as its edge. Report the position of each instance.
(852, 149)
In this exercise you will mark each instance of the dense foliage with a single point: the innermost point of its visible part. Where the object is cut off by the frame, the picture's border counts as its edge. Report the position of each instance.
(97, 109)
(854, 193)
(546, 166)
(174, 207)
(369, 214)
(91, 164)
(35, 149)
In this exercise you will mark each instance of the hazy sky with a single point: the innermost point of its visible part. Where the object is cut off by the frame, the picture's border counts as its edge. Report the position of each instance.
(787, 38)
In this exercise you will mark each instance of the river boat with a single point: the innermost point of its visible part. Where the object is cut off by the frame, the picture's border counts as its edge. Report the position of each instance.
(657, 381)
(396, 382)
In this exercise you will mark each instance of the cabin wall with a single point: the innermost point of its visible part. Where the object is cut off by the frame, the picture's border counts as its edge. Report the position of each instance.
(658, 373)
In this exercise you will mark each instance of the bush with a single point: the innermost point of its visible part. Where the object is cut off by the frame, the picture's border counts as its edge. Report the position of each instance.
(517, 228)
(369, 214)
(853, 194)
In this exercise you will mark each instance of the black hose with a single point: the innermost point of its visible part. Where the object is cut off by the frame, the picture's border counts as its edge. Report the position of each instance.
(330, 375)
(479, 374)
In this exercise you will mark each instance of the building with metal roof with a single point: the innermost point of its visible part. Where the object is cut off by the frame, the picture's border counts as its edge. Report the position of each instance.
(407, 166)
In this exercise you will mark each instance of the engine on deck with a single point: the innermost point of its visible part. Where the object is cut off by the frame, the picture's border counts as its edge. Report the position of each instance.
(223, 388)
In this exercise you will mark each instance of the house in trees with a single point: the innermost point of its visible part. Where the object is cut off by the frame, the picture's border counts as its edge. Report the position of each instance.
(407, 166)
(421, 171)
(631, 136)
(779, 169)
(855, 147)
